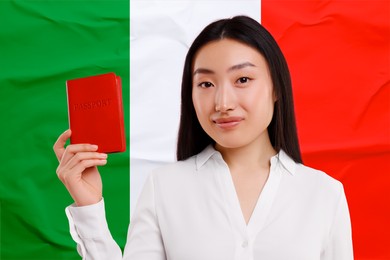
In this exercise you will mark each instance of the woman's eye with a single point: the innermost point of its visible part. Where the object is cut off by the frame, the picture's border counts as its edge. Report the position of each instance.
(243, 80)
(205, 84)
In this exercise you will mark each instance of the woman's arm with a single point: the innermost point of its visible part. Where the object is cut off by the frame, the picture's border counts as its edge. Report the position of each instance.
(88, 228)
(78, 172)
(340, 239)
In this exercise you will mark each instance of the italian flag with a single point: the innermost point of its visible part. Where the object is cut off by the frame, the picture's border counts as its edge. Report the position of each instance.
(339, 58)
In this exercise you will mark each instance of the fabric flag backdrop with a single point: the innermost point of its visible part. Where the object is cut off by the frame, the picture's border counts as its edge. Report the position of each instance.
(42, 44)
(338, 54)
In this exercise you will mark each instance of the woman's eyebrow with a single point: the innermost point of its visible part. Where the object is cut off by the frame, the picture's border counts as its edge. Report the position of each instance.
(202, 71)
(234, 67)
(241, 66)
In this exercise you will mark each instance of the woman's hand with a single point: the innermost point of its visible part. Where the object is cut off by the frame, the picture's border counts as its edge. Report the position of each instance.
(78, 170)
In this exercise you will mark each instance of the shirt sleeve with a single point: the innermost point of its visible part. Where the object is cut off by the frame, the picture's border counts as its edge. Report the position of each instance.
(339, 245)
(89, 229)
(144, 239)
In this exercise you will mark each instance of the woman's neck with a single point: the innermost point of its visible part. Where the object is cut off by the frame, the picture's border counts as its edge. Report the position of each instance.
(254, 155)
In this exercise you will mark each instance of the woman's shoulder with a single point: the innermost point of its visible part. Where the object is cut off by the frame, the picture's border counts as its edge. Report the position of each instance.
(188, 166)
(318, 180)
(309, 186)
(175, 171)
(312, 172)
(305, 174)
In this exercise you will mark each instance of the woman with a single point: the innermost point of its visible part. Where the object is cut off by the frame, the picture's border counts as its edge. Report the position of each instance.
(239, 189)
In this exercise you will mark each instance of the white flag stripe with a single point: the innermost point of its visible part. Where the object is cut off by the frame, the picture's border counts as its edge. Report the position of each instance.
(160, 35)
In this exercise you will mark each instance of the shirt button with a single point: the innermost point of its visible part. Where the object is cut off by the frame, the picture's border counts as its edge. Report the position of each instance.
(244, 244)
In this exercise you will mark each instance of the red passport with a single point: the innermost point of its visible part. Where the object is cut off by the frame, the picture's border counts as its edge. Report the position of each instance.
(95, 111)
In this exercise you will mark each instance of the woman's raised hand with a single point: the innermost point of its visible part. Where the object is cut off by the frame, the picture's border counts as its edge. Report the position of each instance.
(78, 171)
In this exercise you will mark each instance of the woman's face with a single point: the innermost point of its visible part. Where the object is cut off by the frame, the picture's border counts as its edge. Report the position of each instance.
(232, 93)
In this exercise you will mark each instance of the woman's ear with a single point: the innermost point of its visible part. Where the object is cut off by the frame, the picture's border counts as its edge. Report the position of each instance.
(274, 96)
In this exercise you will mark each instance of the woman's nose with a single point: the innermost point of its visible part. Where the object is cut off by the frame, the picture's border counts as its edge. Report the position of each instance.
(225, 98)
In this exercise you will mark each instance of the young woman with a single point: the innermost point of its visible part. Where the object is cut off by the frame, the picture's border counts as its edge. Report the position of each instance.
(239, 189)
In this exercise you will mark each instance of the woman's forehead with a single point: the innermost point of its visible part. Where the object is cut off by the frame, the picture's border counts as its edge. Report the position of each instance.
(227, 54)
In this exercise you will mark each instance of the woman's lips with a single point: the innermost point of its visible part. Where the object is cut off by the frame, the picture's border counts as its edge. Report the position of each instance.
(227, 122)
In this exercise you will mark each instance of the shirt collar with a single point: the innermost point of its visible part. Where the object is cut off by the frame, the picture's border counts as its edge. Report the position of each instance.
(204, 156)
(285, 160)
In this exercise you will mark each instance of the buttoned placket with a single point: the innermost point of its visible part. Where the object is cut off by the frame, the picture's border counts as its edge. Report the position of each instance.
(246, 234)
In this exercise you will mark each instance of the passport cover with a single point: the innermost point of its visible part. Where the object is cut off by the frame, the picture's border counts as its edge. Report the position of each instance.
(95, 112)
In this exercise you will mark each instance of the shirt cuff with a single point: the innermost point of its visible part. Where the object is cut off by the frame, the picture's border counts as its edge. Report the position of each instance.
(88, 221)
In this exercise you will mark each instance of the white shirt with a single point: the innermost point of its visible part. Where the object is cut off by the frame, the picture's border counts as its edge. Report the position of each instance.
(189, 210)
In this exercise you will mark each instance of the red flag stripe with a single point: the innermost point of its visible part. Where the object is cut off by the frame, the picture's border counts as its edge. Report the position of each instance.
(339, 57)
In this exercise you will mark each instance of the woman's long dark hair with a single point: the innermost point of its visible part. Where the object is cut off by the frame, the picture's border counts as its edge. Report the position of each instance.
(192, 139)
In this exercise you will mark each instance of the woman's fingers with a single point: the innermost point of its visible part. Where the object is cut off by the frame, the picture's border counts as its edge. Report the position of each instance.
(87, 164)
(68, 176)
(83, 158)
(64, 154)
(74, 149)
(59, 145)
(79, 162)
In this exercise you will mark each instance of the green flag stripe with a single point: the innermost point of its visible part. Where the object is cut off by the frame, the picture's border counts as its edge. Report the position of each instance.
(42, 44)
